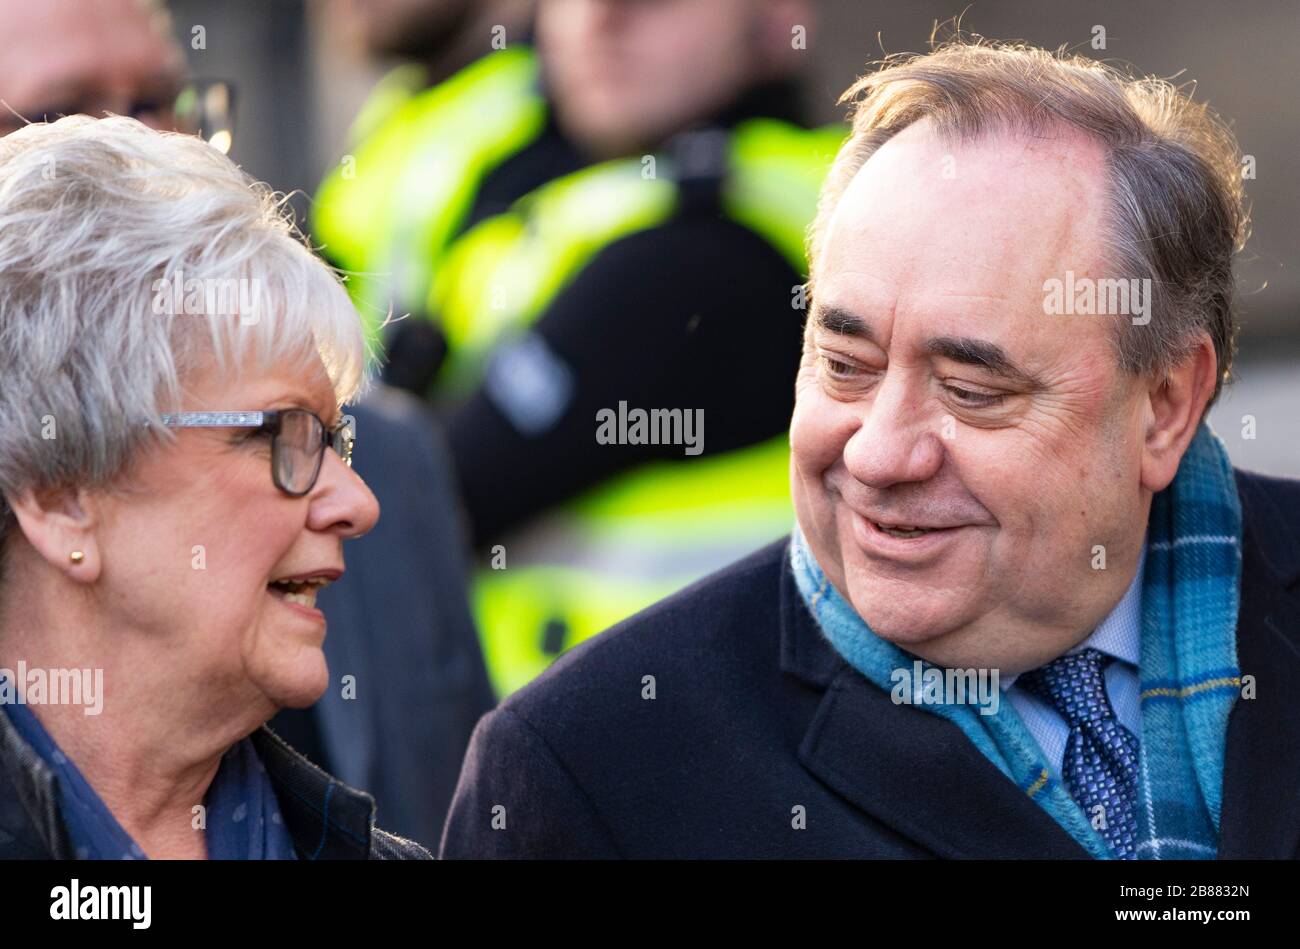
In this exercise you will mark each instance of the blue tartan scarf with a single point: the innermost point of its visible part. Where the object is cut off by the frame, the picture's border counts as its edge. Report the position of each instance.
(1187, 667)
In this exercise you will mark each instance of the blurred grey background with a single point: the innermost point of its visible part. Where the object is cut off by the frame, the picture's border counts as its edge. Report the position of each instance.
(299, 82)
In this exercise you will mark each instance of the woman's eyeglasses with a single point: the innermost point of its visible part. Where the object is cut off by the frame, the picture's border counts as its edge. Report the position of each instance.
(298, 440)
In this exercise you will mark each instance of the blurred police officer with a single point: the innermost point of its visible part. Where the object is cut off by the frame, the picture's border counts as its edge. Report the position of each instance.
(63, 57)
(657, 289)
(458, 129)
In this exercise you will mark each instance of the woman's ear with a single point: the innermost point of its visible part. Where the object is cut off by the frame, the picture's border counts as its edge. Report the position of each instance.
(60, 524)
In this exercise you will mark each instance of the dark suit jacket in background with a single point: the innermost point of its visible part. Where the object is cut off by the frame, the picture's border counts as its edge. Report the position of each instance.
(756, 715)
(399, 622)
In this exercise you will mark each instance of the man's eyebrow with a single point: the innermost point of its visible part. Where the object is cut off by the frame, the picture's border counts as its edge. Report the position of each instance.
(963, 349)
(842, 322)
(988, 356)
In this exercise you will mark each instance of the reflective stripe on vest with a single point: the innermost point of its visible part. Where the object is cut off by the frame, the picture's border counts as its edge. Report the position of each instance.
(623, 546)
(775, 176)
(388, 211)
(500, 276)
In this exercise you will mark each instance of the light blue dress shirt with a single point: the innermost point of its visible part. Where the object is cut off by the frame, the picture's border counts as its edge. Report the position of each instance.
(1119, 635)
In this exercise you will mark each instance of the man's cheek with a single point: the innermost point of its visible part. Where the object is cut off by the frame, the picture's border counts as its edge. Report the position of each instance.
(820, 428)
(806, 438)
(813, 450)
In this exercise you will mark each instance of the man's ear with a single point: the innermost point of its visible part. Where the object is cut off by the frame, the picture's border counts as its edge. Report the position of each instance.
(1173, 413)
(57, 522)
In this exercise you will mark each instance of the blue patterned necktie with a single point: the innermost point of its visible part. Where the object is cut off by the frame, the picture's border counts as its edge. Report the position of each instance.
(1100, 765)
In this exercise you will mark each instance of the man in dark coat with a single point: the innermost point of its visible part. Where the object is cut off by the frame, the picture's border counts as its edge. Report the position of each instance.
(1000, 470)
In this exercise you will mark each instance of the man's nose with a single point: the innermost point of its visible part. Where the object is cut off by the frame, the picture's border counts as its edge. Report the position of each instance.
(900, 439)
(341, 501)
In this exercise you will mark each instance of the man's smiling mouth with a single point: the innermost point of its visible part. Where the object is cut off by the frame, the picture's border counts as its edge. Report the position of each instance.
(904, 543)
(895, 531)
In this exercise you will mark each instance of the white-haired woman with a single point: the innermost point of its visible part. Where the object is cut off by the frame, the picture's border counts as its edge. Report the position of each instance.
(177, 485)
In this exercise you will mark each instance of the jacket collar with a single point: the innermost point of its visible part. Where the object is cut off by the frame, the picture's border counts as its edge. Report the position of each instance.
(907, 767)
(326, 819)
(30, 826)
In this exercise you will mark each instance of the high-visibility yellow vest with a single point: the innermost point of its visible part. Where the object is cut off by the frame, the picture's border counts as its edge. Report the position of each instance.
(649, 531)
(387, 212)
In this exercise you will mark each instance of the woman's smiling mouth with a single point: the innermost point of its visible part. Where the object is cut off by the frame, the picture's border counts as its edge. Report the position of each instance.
(300, 591)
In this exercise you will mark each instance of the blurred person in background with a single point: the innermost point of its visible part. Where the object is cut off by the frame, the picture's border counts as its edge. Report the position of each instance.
(176, 489)
(458, 129)
(665, 279)
(436, 37)
(64, 57)
(400, 626)
(539, 295)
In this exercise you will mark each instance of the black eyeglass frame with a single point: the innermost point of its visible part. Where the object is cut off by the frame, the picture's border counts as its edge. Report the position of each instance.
(342, 437)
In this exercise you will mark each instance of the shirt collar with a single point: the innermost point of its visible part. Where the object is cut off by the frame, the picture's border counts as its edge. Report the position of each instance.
(1120, 633)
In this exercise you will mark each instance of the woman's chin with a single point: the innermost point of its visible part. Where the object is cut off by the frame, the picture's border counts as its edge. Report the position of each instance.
(301, 683)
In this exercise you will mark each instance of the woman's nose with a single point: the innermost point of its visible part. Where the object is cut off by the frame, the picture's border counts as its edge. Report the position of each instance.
(341, 501)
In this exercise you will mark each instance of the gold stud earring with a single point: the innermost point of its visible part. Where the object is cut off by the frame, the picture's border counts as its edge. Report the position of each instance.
(76, 556)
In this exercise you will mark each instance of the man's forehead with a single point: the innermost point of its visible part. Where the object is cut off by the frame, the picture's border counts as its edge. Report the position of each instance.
(992, 188)
(1002, 145)
(962, 226)
(877, 292)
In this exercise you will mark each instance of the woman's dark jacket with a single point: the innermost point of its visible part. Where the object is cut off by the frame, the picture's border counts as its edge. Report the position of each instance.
(326, 819)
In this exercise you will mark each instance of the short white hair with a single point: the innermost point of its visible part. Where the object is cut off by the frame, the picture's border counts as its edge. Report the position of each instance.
(93, 214)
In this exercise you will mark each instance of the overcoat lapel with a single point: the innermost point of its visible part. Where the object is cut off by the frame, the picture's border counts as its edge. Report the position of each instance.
(1261, 768)
(913, 771)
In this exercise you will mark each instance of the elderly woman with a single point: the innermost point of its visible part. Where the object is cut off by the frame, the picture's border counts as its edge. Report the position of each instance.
(177, 487)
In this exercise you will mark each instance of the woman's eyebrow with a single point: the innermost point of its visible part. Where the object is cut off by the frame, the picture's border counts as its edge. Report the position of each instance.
(330, 417)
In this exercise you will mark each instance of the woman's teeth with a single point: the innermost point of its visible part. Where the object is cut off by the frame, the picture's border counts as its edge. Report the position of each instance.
(302, 592)
(307, 599)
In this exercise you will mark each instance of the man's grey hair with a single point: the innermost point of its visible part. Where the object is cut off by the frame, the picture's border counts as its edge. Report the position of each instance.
(1177, 215)
(95, 215)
